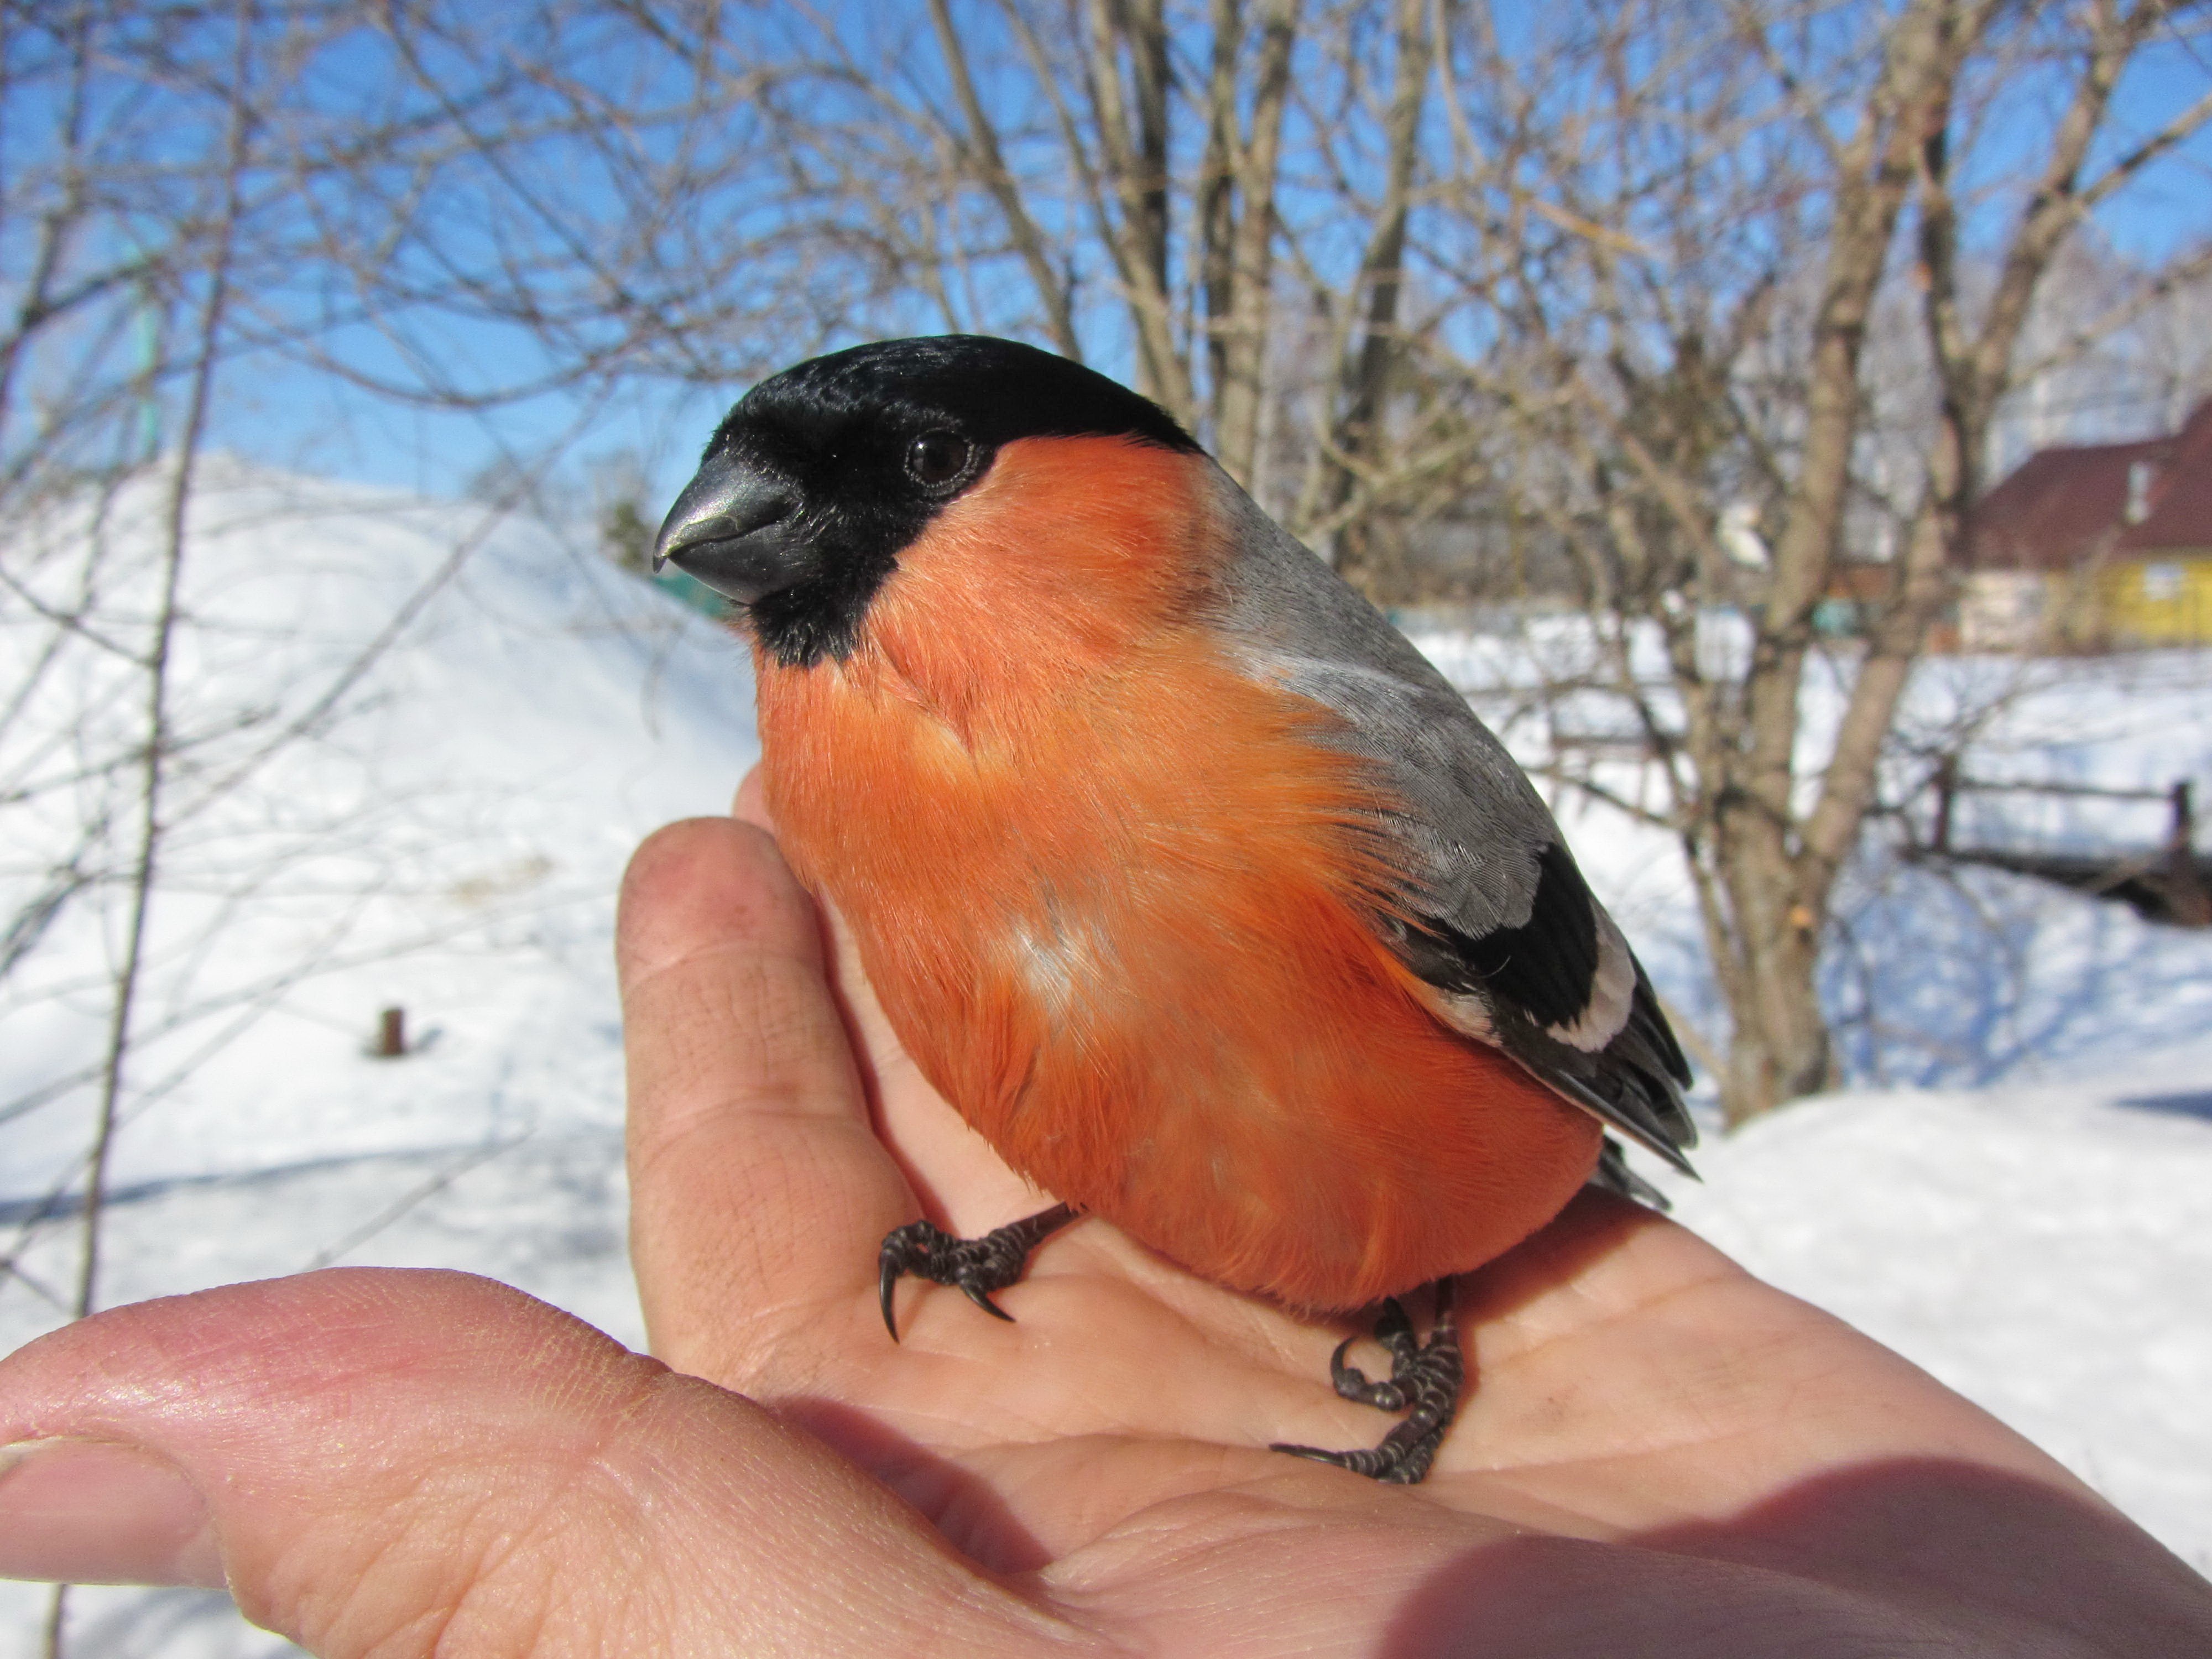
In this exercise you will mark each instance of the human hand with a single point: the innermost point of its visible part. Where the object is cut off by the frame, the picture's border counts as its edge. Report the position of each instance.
(1657, 1455)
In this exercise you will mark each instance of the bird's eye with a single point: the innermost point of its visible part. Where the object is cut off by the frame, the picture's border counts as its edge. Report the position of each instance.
(937, 460)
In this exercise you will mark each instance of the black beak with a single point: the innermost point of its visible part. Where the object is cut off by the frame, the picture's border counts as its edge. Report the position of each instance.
(736, 529)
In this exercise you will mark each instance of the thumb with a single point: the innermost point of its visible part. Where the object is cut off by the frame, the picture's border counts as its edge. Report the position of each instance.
(408, 1462)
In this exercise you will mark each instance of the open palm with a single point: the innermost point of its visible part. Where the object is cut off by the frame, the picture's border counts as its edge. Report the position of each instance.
(1658, 1454)
(1631, 1383)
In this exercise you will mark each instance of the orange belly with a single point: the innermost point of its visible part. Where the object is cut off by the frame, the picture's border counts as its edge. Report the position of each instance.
(1126, 939)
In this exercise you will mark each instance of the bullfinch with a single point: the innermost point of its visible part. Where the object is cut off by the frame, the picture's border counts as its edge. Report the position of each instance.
(1195, 888)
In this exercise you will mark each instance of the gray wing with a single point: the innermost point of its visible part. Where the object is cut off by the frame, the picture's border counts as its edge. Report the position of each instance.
(1501, 922)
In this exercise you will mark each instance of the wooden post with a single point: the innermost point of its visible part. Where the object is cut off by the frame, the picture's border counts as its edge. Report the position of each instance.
(391, 1034)
(2190, 896)
(1946, 786)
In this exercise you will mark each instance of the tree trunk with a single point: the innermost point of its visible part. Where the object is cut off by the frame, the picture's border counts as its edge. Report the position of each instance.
(1365, 375)
(1779, 1048)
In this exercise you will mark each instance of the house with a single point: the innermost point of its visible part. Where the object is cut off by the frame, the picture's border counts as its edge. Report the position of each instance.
(2096, 546)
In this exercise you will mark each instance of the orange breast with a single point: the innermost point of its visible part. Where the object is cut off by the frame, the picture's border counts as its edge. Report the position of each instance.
(1113, 895)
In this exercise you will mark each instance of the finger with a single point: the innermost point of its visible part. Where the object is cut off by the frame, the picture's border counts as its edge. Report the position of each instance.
(90, 1512)
(751, 804)
(758, 1195)
(400, 1463)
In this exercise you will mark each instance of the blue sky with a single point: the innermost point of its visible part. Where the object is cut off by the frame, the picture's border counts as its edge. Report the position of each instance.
(292, 415)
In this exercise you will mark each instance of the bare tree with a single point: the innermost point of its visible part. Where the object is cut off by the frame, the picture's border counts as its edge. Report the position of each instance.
(1627, 288)
(1108, 175)
(1742, 196)
(153, 230)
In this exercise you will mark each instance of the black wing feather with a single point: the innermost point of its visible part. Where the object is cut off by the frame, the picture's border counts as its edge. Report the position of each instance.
(1539, 977)
(1613, 1175)
(1545, 967)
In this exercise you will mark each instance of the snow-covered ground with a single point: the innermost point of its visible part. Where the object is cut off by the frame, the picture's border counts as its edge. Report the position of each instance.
(445, 839)
(448, 836)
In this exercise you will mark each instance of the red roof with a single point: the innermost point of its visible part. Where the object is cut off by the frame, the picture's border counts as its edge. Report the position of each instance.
(2064, 507)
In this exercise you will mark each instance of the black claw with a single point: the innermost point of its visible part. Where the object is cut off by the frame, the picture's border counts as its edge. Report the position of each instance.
(887, 1281)
(1425, 1377)
(1394, 1332)
(907, 1250)
(1351, 1383)
(976, 1295)
(976, 1265)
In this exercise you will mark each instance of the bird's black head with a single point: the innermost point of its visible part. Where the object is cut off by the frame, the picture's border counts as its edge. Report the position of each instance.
(822, 474)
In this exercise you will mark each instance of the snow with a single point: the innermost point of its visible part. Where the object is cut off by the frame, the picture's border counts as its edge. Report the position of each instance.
(448, 839)
(2032, 1222)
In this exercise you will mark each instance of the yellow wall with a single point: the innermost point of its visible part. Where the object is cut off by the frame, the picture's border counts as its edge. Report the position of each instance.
(2158, 598)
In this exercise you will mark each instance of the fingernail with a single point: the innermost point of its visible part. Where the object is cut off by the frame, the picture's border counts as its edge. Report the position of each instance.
(94, 1512)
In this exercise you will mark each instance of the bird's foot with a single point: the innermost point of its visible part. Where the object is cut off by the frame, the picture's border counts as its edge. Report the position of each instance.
(1425, 1377)
(976, 1266)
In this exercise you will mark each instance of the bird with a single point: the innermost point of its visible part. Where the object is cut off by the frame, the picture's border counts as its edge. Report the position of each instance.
(1186, 879)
